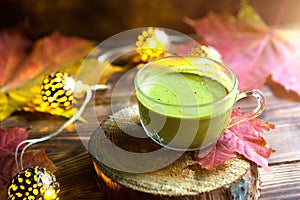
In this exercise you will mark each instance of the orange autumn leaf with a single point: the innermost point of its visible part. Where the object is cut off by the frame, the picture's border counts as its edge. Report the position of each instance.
(24, 63)
(14, 46)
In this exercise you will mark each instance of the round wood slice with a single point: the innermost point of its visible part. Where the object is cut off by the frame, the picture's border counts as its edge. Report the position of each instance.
(129, 165)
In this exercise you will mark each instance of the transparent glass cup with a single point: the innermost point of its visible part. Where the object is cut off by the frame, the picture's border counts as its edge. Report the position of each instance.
(185, 101)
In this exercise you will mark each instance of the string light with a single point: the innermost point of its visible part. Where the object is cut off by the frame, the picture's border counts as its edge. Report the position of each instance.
(42, 184)
(207, 51)
(152, 44)
(57, 90)
(80, 87)
(34, 183)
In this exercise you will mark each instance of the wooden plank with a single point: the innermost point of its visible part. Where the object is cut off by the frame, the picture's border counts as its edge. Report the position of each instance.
(282, 183)
(285, 114)
(77, 178)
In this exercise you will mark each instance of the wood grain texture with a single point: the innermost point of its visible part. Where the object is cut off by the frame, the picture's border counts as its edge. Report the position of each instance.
(284, 112)
(282, 183)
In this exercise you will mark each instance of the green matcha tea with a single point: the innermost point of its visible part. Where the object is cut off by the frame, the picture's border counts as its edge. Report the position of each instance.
(177, 110)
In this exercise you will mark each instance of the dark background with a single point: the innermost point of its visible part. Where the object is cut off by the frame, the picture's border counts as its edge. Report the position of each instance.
(99, 19)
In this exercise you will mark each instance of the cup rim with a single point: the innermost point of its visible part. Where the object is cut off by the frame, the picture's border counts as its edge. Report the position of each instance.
(219, 101)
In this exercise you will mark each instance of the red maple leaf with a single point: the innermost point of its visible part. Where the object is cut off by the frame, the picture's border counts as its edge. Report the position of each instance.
(9, 139)
(252, 49)
(245, 139)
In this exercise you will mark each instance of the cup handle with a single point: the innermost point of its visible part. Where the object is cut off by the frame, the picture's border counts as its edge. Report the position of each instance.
(261, 103)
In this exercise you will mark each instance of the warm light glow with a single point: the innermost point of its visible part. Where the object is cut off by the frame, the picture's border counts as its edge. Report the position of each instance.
(162, 37)
(50, 194)
(208, 52)
(69, 84)
(152, 44)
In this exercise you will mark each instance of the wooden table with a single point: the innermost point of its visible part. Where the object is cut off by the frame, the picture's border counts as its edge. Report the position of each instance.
(78, 179)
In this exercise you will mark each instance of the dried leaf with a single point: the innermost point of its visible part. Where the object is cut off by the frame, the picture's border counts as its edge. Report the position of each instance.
(31, 158)
(22, 71)
(252, 49)
(244, 139)
(14, 46)
(9, 139)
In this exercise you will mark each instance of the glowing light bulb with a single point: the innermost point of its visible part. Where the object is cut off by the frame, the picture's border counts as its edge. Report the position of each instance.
(152, 44)
(34, 183)
(57, 90)
(208, 52)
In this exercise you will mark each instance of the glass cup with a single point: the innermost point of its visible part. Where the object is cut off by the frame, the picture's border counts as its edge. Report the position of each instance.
(185, 101)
